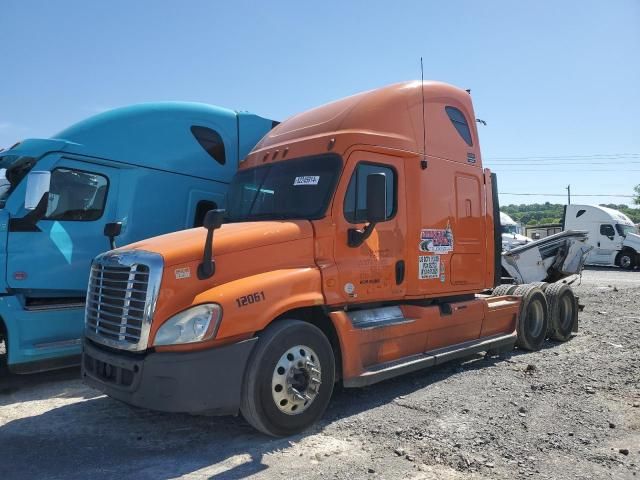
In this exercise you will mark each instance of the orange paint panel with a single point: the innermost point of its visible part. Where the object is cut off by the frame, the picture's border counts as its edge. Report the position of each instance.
(500, 316)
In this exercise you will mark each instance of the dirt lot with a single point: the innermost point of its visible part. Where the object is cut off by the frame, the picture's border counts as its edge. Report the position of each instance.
(571, 410)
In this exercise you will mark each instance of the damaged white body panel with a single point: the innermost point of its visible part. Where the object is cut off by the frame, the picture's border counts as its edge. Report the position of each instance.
(549, 259)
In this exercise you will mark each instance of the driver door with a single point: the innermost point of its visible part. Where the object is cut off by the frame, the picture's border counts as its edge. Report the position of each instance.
(54, 257)
(607, 244)
(376, 269)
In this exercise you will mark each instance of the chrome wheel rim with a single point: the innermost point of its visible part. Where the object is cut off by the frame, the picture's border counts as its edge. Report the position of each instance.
(625, 261)
(296, 380)
(535, 318)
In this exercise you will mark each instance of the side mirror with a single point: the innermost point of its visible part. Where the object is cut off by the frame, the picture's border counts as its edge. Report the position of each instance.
(212, 221)
(376, 197)
(376, 209)
(38, 183)
(112, 230)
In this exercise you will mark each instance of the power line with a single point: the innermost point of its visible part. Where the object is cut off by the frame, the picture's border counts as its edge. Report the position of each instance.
(555, 157)
(564, 162)
(515, 170)
(564, 194)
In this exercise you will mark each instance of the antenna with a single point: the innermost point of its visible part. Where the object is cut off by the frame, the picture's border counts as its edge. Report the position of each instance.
(423, 163)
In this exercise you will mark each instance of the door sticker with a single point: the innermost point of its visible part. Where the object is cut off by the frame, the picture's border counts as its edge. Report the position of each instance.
(308, 180)
(428, 267)
(436, 240)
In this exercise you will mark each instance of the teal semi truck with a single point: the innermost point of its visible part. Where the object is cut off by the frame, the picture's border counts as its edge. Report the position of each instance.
(118, 177)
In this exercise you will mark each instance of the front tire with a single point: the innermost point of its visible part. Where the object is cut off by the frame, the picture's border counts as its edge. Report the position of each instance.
(289, 378)
(627, 260)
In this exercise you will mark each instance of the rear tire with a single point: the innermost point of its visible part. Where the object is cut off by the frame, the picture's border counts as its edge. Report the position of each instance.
(289, 378)
(504, 289)
(533, 318)
(563, 311)
(541, 285)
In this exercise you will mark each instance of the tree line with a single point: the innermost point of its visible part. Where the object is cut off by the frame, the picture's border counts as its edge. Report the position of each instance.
(540, 213)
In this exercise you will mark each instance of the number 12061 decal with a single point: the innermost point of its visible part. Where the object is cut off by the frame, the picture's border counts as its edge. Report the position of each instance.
(249, 299)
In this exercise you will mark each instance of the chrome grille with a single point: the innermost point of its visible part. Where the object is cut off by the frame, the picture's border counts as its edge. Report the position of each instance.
(121, 297)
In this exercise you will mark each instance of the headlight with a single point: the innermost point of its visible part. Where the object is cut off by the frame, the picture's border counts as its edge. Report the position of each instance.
(192, 325)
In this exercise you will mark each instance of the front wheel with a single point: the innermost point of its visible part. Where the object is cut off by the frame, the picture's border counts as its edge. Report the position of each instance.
(289, 378)
(627, 260)
(4, 354)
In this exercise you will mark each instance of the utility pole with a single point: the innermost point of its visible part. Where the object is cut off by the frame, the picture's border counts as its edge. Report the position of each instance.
(568, 194)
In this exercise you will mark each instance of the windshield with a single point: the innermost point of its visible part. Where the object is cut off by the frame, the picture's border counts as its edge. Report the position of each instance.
(13, 169)
(509, 229)
(624, 229)
(300, 188)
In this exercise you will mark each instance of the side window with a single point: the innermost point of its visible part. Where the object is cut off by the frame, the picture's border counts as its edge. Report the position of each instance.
(211, 141)
(201, 210)
(580, 213)
(355, 201)
(460, 123)
(76, 195)
(607, 231)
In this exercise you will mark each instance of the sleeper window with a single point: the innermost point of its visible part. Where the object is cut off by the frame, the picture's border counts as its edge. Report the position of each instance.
(355, 201)
(76, 195)
(211, 141)
(460, 123)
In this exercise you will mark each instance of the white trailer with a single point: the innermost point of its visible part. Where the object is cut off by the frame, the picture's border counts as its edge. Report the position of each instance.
(611, 233)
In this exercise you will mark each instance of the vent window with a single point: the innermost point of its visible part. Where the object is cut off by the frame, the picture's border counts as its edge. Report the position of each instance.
(460, 123)
(211, 141)
(580, 213)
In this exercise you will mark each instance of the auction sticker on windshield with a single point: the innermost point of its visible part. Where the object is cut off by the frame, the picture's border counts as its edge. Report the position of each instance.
(308, 180)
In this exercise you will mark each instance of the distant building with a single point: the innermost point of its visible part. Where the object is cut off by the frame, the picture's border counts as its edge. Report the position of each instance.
(536, 232)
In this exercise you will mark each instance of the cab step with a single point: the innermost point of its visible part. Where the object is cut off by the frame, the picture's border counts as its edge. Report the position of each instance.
(412, 363)
(378, 317)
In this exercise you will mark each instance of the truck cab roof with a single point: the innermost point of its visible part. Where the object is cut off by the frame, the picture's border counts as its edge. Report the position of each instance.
(391, 116)
(594, 213)
(156, 135)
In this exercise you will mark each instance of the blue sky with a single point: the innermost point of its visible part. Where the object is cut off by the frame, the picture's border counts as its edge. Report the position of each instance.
(551, 79)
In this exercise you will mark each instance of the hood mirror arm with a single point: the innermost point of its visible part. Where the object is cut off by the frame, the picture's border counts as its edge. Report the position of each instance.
(212, 221)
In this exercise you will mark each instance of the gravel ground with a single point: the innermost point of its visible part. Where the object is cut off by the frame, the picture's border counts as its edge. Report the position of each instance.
(571, 410)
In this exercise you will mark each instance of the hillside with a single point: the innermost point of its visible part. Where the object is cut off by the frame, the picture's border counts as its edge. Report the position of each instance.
(537, 213)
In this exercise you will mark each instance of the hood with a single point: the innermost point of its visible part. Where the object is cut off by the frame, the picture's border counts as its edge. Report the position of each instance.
(632, 240)
(515, 238)
(188, 245)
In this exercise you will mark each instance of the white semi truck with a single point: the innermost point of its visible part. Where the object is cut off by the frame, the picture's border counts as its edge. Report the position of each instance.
(611, 234)
(511, 237)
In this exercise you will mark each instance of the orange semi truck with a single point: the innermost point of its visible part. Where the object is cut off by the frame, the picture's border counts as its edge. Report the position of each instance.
(361, 241)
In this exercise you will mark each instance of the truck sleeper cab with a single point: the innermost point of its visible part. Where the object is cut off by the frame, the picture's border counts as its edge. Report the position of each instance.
(131, 173)
(349, 254)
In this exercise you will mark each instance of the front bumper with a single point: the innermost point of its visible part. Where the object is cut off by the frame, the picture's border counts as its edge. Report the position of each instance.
(207, 381)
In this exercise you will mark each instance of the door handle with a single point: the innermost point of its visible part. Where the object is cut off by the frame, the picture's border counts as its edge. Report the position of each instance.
(399, 272)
